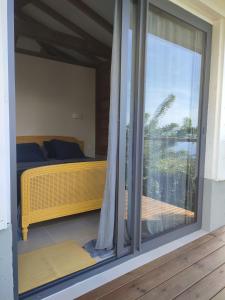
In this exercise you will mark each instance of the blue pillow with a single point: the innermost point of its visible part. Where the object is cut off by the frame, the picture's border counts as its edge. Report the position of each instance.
(29, 152)
(66, 150)
(49, 149)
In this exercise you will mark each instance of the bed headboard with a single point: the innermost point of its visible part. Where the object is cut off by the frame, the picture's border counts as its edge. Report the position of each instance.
(39, 139)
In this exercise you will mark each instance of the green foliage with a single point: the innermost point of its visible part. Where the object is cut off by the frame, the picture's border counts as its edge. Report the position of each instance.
(168, 174)
(167, 171)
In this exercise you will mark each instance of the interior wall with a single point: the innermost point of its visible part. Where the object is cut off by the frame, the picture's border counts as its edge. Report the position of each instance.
(54, 98)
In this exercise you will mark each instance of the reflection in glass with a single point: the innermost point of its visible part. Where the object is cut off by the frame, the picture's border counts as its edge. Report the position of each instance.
(130, 99)
(172, 92)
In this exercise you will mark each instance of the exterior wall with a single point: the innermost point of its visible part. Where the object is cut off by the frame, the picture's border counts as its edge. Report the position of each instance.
(213, 205)
(48, 93)
(6, 276)
(214, 183)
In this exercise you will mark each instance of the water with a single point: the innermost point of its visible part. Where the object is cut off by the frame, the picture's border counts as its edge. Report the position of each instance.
(189, 147)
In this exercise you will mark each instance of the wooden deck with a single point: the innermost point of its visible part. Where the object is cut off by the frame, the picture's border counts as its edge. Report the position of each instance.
(152, 209)
(195, 271)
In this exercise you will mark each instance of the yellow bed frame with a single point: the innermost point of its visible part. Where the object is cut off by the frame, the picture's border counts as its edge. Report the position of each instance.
(56, 191)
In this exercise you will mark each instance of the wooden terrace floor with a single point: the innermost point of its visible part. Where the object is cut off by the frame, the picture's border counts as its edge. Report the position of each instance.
(195, 271)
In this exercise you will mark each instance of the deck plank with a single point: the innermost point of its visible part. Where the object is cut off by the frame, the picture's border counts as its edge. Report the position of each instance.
(121, 281)
(219, 231)
(185, 279)
(206, 288)
(174, 275)
(220, 295)
(137, 288)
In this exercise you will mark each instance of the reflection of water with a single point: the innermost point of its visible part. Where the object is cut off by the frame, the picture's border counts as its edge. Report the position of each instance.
(189, 147)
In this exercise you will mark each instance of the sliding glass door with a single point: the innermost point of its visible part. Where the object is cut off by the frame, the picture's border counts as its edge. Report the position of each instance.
(174, 58)
(167, 58)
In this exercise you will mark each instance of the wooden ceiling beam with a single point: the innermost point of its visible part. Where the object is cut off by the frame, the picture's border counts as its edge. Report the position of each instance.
(19, 4)
(79, 4)
(72, 26)
(51, 50)
(44, 55)
(35, 30)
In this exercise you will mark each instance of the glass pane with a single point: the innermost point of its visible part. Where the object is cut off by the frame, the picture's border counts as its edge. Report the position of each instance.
(172, 93)
(130, 100)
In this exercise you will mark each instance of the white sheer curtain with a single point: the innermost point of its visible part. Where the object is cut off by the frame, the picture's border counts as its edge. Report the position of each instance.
(107, 218)
(168, 28)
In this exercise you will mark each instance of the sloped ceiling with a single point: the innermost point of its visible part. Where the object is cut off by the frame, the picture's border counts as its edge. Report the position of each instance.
(74, 31)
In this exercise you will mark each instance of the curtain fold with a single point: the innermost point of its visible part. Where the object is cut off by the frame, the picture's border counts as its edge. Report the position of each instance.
(107, 217)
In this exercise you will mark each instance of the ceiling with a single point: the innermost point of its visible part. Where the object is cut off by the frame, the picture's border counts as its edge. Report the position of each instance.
(72, 31)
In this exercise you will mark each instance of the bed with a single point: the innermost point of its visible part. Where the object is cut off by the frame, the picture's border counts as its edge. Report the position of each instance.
(58, 188)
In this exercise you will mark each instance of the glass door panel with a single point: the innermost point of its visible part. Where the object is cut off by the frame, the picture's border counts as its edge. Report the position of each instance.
(126, 225)
(129, 117)
(174, 57)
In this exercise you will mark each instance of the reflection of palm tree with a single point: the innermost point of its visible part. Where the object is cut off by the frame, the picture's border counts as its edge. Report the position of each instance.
(151, 130)
(151, 124)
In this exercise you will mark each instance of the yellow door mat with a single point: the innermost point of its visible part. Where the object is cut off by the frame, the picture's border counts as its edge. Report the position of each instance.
(49, 263)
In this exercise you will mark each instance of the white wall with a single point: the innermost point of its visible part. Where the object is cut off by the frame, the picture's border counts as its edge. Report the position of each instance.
(48, 93)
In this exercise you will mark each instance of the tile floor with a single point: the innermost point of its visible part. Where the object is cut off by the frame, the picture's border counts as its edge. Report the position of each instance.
(81, 228)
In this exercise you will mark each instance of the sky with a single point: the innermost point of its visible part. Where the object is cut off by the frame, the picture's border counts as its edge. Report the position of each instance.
(172, 69)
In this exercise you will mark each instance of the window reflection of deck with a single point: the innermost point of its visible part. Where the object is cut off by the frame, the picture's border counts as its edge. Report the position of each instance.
(153, 209)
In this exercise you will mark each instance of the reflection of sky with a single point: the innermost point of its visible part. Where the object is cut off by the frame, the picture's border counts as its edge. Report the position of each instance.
(130, 66)
(172, 69)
